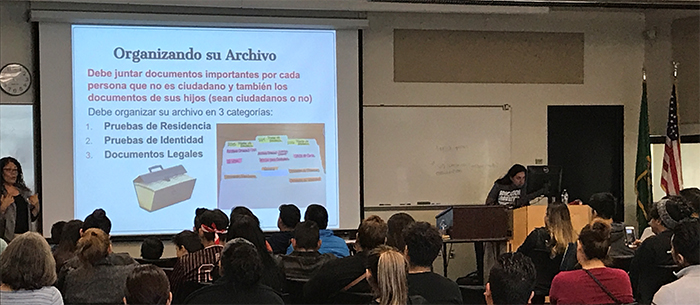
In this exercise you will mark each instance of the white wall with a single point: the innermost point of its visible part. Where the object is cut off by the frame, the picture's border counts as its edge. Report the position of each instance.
(657, 61)
(613, 59)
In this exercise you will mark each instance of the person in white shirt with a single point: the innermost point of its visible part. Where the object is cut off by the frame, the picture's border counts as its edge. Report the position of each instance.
(685, 248)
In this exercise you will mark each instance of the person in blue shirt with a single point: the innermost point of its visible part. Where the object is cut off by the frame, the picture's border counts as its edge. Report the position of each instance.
(329, 242)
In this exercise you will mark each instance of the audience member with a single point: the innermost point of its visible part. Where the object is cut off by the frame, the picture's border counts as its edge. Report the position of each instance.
(348, 273)
(197, 267)
(56, 230)
(546, 247)
(3, 245)
(653, 265)
(511, 280)
(604, 206)
(98, 219)
(187, 242)
(595, 283)
(686, 253)
(28, 270)
(692, 196)
(286, 222)
(97, 279)
(423, 243)
(386, 274)
(330, 243)
(152, 248)
(65, 250)
(305, 260)
(147, 284)
(152, 251)
(396, 224)
(246, 227)
(241, 270)
(241, 211)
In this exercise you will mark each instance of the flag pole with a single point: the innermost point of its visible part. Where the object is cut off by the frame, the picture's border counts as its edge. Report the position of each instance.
(643, 183)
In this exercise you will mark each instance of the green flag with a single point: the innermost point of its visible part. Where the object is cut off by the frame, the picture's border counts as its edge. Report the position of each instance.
(642, 174)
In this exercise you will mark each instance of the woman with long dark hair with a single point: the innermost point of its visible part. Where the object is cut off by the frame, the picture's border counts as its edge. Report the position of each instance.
(18, 207)
(247, 227)
(510, 189)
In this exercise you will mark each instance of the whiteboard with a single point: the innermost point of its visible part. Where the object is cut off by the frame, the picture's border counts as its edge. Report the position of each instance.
(446, 155)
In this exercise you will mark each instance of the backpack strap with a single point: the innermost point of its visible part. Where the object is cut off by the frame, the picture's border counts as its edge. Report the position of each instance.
(355, 282)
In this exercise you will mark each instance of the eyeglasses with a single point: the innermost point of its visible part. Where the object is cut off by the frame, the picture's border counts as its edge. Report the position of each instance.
(10, 170)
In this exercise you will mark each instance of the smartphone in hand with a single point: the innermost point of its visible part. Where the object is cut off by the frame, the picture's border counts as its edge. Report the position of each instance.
(630, 236)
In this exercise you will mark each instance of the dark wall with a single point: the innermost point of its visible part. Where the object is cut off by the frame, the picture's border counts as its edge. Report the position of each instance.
(587, 141)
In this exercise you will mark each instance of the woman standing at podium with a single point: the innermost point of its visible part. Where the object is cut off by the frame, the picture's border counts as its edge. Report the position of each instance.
(510, 189)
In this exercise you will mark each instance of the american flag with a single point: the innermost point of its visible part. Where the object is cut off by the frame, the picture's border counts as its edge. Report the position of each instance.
(671, 175)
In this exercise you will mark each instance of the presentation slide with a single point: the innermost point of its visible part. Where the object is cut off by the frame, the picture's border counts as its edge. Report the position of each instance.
(168, 119)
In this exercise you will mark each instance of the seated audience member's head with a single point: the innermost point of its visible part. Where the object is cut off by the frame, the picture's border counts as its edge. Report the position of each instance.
(69, 238)
(98, 219)
(240, 263)
(371, 233)
(692, 196)
(71, 233)
(511, 280)
(306, 237)
(239, 211)
(27, 263)
(93, 246)
(603, 205)
(187, 242)
(289, 217)
(151, 248)
(594, 242)
(246, 227)
(209, 225)
(387, 272)
(396, 224)
(147, 284)
(423, 244)
(56, 230)
(685, 243)
(666, 213)
(318, 214)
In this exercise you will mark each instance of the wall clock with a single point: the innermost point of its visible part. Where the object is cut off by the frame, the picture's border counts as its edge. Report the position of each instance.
(15, 79)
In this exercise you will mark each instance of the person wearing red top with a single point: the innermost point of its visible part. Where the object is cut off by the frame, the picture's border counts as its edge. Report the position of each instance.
(595, 283)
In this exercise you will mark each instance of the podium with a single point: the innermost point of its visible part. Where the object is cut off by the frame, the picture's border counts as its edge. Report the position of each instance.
(528, 218)
(474, 223)
(494, 223)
